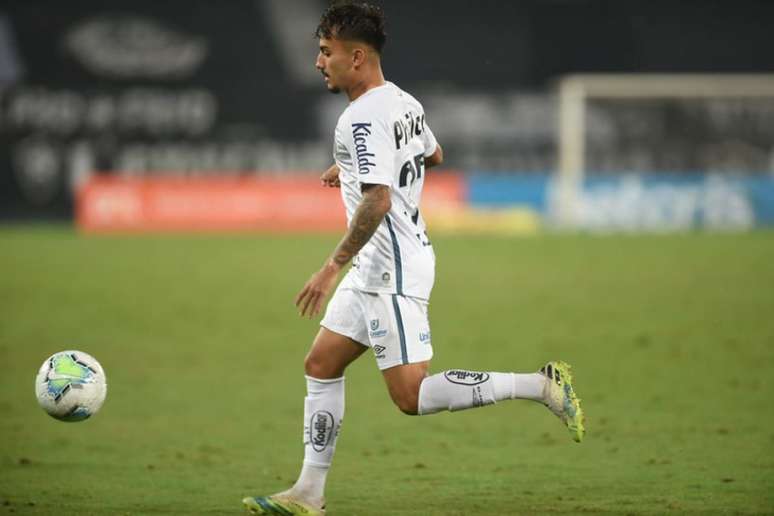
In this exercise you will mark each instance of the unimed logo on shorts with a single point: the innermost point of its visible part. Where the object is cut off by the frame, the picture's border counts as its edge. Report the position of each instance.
(321, 430)
(375, 331)
(466, 377)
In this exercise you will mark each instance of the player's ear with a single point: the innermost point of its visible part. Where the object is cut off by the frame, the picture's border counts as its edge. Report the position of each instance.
(358, 57)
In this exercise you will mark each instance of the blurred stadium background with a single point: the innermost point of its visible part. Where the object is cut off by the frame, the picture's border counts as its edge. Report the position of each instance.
(107, 103)
(629, 117)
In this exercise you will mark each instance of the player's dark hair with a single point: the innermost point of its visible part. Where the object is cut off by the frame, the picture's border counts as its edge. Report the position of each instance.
(354, 21)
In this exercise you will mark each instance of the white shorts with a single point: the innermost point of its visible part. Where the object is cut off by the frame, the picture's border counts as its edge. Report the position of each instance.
(395, 327)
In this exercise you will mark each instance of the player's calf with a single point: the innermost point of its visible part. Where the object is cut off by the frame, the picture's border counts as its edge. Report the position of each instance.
(460, 389)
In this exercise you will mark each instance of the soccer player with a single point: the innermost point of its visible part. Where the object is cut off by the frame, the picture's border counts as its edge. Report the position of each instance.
(383, 146)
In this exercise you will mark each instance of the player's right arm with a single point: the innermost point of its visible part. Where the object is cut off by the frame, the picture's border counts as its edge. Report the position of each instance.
(369, 214)
(374, 205)
(367, 135)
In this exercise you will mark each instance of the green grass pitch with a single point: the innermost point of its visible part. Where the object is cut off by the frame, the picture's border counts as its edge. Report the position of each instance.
(671, 339)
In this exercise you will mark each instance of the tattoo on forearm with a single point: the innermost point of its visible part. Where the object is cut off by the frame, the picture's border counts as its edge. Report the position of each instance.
(368, 216)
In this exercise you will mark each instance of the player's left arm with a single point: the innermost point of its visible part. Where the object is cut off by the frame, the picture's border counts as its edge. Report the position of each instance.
(331, 177)
(369, 214)
(436, 158)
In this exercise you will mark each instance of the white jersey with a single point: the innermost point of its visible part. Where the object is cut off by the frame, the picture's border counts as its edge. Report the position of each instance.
(382, 138)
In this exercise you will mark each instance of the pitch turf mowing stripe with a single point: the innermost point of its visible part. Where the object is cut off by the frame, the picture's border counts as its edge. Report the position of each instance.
(401, 332)
(398, 262)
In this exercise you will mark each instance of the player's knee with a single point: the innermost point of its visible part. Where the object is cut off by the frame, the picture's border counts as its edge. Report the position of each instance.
(317, 367)
(408, 403)
(320, 366)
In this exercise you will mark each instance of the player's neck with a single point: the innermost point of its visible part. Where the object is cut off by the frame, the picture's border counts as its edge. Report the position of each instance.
(373, 80)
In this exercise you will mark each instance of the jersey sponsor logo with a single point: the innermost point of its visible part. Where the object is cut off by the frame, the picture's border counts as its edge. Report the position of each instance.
(424, 336)
(406, 128)
(321, 430)
(359, 132)
(461, 377)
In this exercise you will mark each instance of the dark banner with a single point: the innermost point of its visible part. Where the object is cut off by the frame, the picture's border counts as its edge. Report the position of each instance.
(90, 87)
(229, 88)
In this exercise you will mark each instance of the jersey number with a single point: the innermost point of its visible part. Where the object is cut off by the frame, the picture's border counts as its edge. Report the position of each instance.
(413, 169)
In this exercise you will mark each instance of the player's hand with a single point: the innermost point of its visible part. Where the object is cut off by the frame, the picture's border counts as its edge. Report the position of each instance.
(330, 177)
(309, 301)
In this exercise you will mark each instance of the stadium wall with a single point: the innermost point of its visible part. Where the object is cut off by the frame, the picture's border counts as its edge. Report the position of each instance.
(152, 89)
(452, 202)
(634, 202)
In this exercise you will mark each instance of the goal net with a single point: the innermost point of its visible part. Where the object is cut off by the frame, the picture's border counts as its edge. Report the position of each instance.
(664, 152)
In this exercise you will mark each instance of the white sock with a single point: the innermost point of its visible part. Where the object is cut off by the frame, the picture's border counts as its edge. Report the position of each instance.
(528, 386)
(323, 412)
(310, 485)
(459, 389)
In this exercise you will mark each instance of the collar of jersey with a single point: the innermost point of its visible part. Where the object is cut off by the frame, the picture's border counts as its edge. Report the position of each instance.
(386, 83)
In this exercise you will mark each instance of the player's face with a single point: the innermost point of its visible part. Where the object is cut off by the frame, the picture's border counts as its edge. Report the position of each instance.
(335, 63)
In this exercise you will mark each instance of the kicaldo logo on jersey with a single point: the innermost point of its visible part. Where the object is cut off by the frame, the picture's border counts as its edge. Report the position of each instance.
(359, 132)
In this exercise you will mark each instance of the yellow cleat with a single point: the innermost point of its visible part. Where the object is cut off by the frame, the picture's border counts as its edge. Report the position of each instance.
(280, 505)
(560, 398)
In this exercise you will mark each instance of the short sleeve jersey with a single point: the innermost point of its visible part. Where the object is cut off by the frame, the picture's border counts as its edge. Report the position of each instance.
(382, 138)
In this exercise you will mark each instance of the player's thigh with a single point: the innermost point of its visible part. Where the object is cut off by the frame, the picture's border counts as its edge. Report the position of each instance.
(403, 383)
(343, 336)
(330, 354)
(399, 330)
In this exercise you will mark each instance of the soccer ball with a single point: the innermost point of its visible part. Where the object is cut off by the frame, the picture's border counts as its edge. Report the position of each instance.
(71, 386)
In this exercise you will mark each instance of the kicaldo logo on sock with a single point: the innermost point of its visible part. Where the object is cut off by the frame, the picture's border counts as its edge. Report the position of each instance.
(321, 430)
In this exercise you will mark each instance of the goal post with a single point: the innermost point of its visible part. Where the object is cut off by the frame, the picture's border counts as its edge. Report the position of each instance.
(575, 92)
